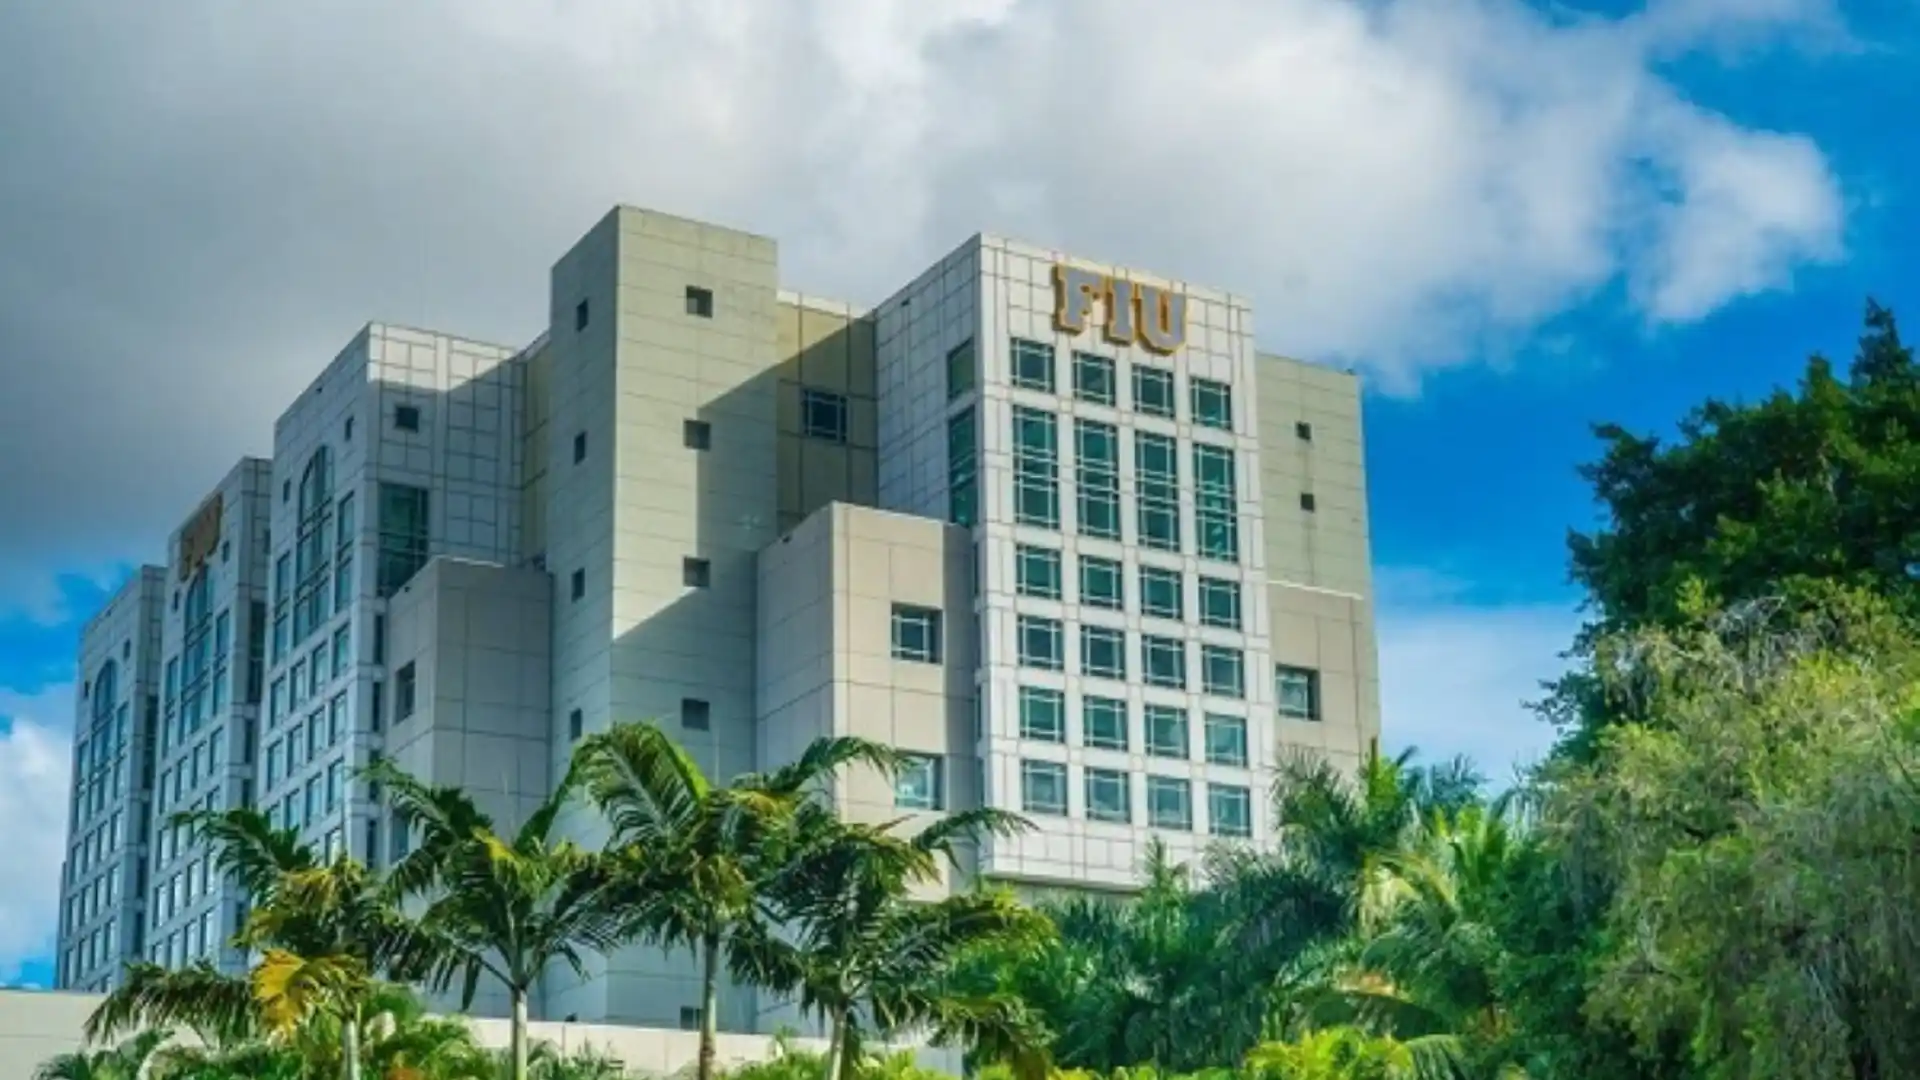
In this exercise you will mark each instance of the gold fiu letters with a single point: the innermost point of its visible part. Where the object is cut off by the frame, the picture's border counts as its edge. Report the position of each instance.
(1153, 318)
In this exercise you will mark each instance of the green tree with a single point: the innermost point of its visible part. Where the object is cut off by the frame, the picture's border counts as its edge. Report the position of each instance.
(122, 1062)
(493, 905)
(689, 857)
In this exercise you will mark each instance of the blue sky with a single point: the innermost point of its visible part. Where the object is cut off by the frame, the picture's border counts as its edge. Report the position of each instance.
(1472, 455)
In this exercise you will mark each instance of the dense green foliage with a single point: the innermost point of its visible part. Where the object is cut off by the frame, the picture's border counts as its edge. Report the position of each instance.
(1716, 877)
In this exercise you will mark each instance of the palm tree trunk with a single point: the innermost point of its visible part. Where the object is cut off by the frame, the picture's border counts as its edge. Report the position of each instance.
(517, 1036)
(709, 1008)
(836, 1042)
(350, 1044)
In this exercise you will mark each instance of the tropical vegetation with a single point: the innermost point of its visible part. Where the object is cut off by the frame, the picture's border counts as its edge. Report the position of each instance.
(1714, 876)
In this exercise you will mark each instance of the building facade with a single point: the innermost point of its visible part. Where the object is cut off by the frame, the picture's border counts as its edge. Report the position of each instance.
(1053, 527)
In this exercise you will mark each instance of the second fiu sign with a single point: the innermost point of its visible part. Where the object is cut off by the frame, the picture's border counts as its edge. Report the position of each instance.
(1136, 314)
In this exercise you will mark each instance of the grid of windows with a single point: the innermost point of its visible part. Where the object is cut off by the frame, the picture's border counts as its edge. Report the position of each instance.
(1156, 465)
(1103, 652)
(1153, 391)
(1296, 692)
(1101, 583)
(1037, 572)
(1109, 796)
(1043, 714)
(916, 634)
(1036, 468)
(1226, 738)
(1032, 365)
(1216, 498)
(1212, 403)
(1097, 477)
(1169, 803)
(403, 536)
(1166, 731)
(1222, 671)
(1220, 603)
(1103, 723)
(1163, 661)
(1040, 645)
(1094, 379)
(963, 469)
(1160, 592)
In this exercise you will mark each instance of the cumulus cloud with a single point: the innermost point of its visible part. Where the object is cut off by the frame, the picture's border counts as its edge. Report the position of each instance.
(35, 770)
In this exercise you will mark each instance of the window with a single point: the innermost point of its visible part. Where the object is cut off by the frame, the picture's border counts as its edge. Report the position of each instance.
(699, 302)
(1212, 403)
(1109, 796)
(1160, 593)
(1169, 803)
(580, 315)
(403, 691)
(1220, 603)
(1167, 732)
(1094, 380)
(689, 1018)
(1103, 652)
(1036, 468)
(823, 415)
(1153, 392)
(960, 373)
(1216, 503)
(1032, 365)
(576, 721)
(1306, 501)
(1037, 572)
(1040, 645)
(1229, 810)
(579, 447)
(1103, 723)
(1043, 715)
(1100, 583)
(1226, 738)
(403, 536)
(406, 417)
(1303, 431)
(577, 585)
(1156, 466)
(342, 650)
(1097, 478)
(1296, 692)
(917, 786)
(916, 634)
(695, 714)
(1043, 787)
(697, 434)
(963, 486)
(696, 573)
(1222, 671)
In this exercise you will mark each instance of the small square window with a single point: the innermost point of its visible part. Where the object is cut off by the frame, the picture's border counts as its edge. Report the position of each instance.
(1161, 593)
(1043, 715)
(918, 785)
(1032, 365)
(1212, 403)
(580, 316)
(578, 586)
(1103, 723)
(1167, 732)
(1220, 603)
(696, 573)
(1043, 788)
(695, 714)
(1229, 810)
(1303, 430)
(579, 447)
(406, 417)
(1296, 692)
(1037, 572)
(1153, 392)
(1094, 380)
(1109, 796)
(1222, 671)
(1169, 803)
(1306, 501)
(1103, 652)
(1100, 583)
(1164, 661)
(574, 724)
(916, 634)
(1226, 739)
(699, 302)
(823, 415)
(698, 435)
(1039, 643)
(689, 1018)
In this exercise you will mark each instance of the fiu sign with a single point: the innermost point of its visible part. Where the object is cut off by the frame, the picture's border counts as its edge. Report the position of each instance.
(1136, 314)
(199, 537)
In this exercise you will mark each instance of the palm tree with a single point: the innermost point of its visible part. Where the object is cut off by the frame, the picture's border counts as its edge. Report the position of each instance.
(858, 951)
(495, 905)
(690, 857)
(122, 1062)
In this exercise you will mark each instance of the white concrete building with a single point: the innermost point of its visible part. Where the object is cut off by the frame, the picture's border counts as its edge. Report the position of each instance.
(1053, 526)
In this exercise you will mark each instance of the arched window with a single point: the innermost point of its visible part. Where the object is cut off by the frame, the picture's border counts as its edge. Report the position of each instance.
(312, 551)
(106, 692)
(316, 483)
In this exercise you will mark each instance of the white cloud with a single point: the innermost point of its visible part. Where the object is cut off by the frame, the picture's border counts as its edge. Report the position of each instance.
(35, 771)
(1455, 676)
(205, 194)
